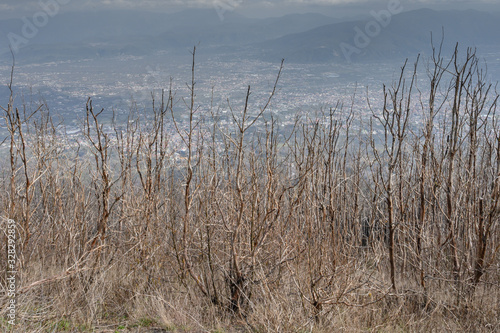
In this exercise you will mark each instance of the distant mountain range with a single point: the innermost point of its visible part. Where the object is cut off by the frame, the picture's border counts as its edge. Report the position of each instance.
(302, 38)
(407, 34)
(87, 34)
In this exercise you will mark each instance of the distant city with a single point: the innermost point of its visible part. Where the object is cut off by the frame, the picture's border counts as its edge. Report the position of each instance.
(121, 73)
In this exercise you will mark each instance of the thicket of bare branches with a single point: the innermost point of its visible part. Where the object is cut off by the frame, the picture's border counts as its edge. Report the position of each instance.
(338, 223)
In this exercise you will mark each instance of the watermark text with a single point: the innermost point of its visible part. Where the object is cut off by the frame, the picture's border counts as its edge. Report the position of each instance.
(223, 6)
(32, 25)
(11, 270)
(363, 37)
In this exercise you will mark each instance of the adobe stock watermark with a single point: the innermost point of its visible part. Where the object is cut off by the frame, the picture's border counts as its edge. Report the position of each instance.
(223, 6)
(32, 25)
(11, 270)
(373, 28)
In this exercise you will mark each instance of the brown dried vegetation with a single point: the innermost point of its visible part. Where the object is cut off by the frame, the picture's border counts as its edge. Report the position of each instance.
(325, 227)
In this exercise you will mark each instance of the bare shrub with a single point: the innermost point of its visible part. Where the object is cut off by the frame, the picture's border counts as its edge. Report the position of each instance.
(389, 223)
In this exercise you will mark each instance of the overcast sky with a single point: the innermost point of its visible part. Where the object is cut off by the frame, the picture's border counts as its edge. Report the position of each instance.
(339, 8)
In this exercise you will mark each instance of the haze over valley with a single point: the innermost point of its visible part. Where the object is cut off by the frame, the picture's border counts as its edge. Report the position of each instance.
(119, 57)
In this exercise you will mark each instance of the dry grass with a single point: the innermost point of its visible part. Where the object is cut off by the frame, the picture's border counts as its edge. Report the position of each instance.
(323, 228)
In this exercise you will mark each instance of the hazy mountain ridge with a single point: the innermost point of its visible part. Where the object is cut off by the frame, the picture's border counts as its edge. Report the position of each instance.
(86, 34)
(302, 38)
(407, 34)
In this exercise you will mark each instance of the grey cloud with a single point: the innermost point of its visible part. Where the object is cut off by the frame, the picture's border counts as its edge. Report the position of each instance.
(11, 7)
